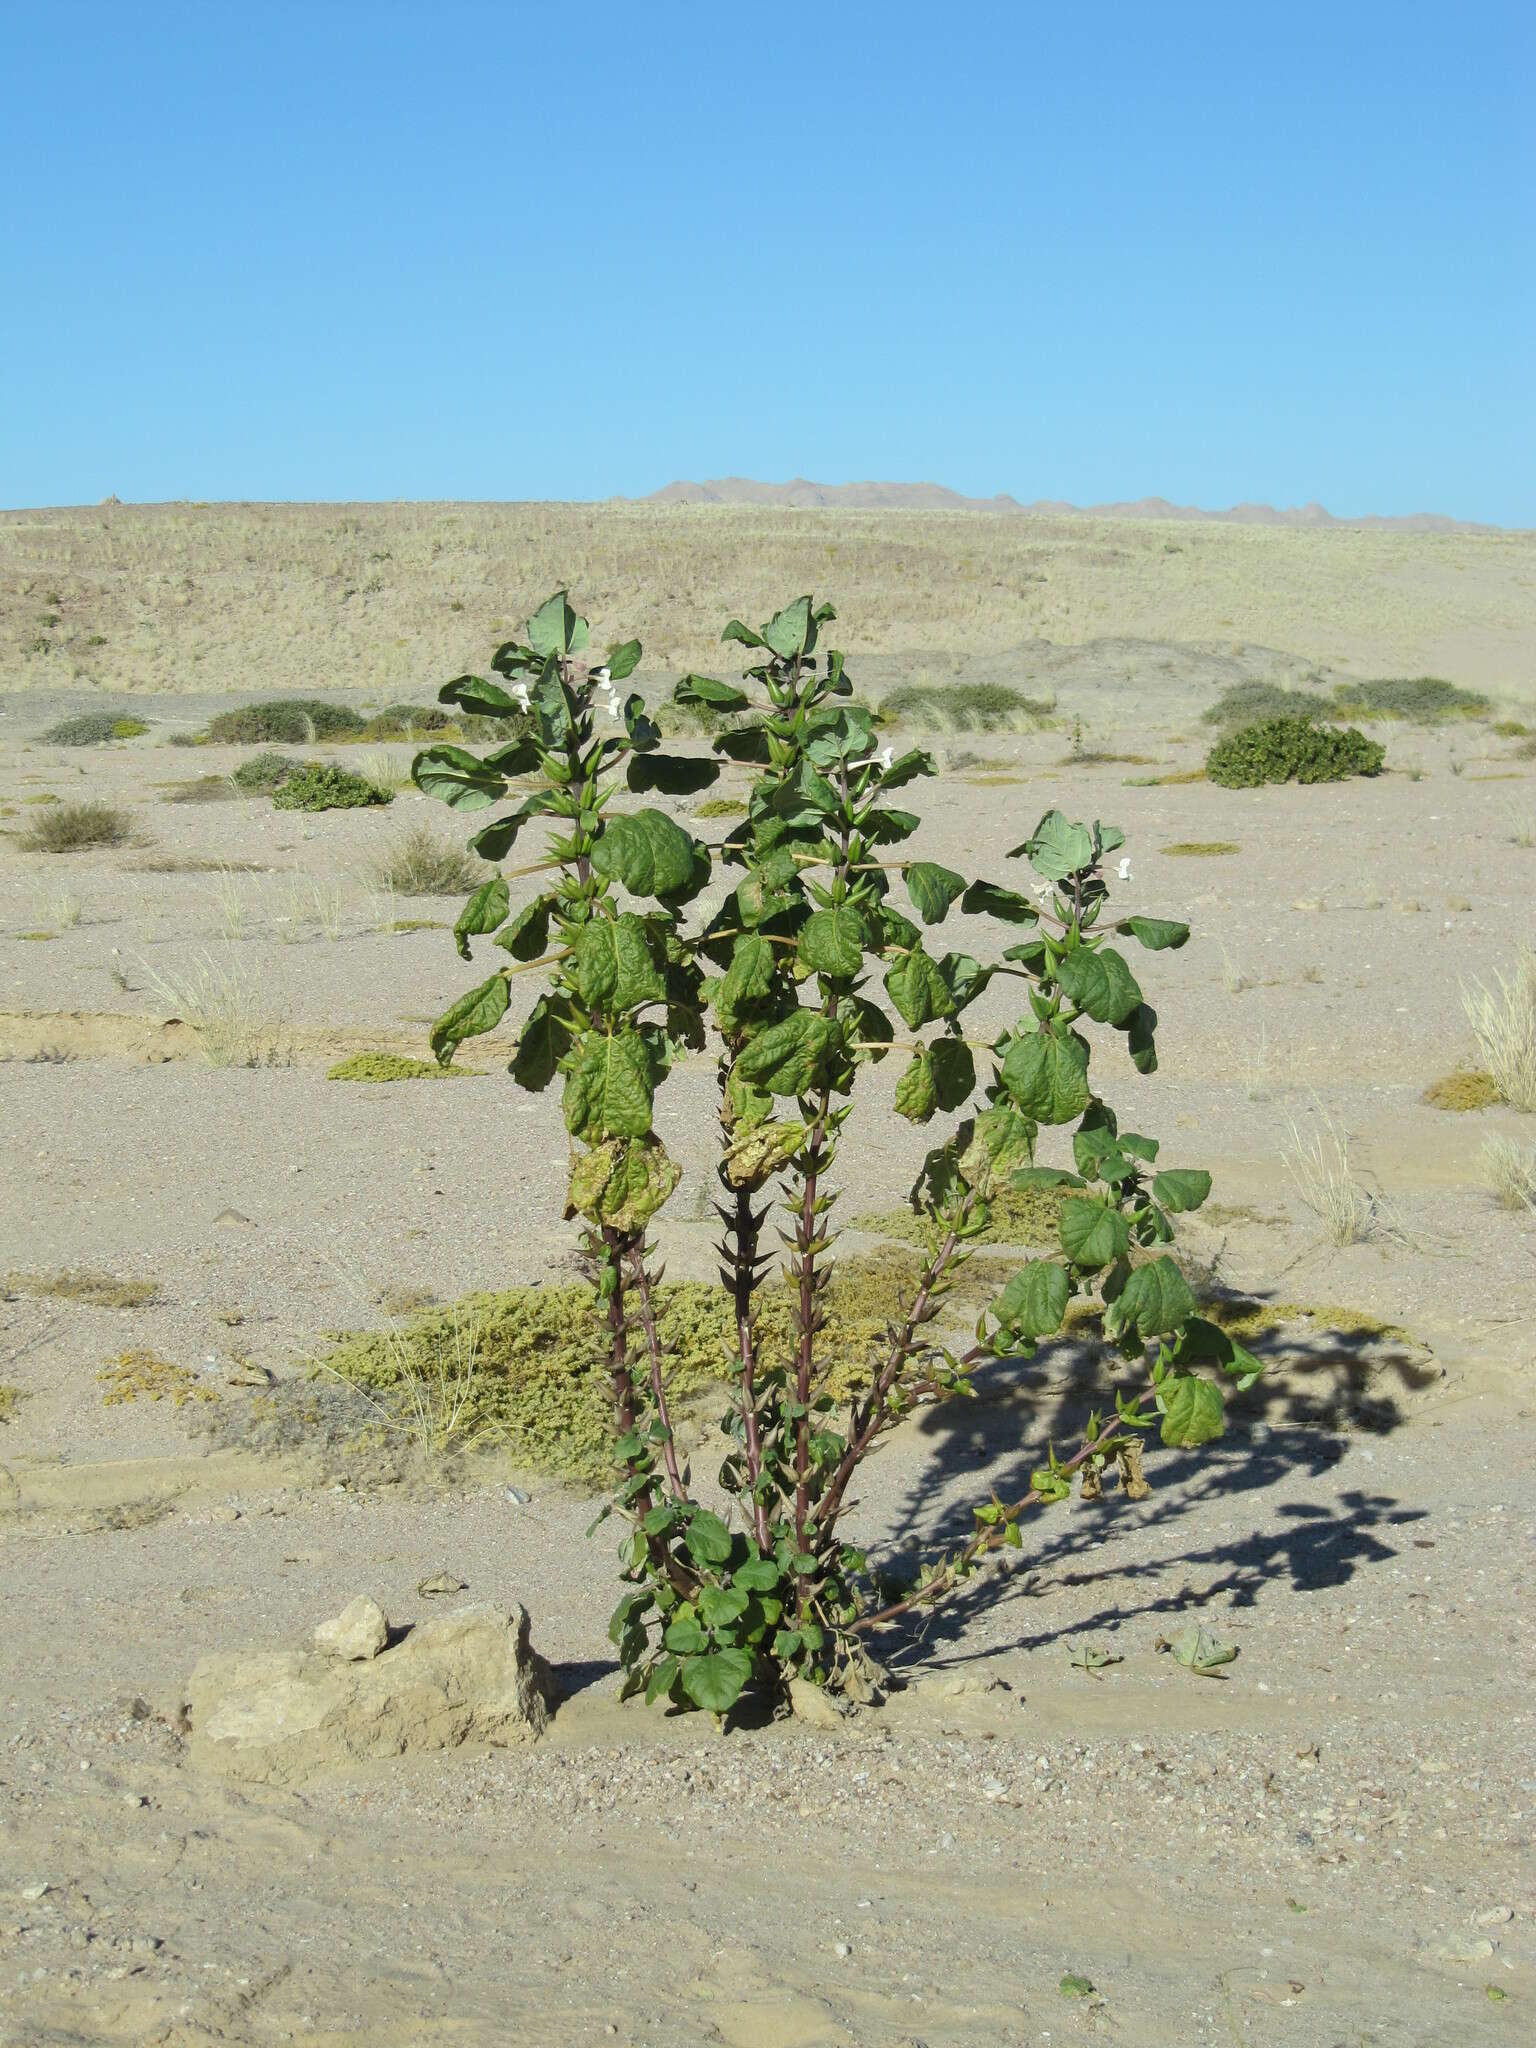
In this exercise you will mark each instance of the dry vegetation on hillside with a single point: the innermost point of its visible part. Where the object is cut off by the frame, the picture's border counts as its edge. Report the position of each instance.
(390, 598)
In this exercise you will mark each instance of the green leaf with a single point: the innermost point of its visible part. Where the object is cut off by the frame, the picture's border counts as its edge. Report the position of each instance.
(747, 980)
(546, 1039)
(623, 660)
(907, 767)
(1157, 934)
(1076, 1987)
(1092, 1234)
(526, 935)
(964, 977)
(1099, 983)
(755, 1152)
(1047, 1076)
(707, 1538)
(1057, 849)
(832, 943)
(705, 690)
(1181, 1188)
(621, 1184)
(482, 699)
(918, 989)
(1154, 1301)
(1193, 1411)
(684, 1635)
(737, 631)
(1198, 1650)
(916, 1096)
(1208, 1341)
(629, 1608)
(757, 1575)
(792, 1056)
(517, 757)
(614, 968)
(485, 910)
(954, 1071)
(990, 899)
(719, 1606)
(932, 889)
(1141, 1040)
(715, 1681)
(649, 854)
(456, 778)
(1035, 1300)
(1004, 1141)
(495, 841)
(479, 1011)
(555, 628)
(790, 631)
(662, 1678)
(608, 1086)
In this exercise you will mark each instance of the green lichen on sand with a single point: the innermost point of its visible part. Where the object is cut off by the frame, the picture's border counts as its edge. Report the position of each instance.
(391, 1066)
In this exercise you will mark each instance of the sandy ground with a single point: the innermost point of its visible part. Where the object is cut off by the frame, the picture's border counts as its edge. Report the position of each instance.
(1330, 1844)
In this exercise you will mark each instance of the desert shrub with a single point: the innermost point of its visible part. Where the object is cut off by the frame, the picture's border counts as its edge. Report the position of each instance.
(265, 773)
(93, 729)
(1201, 849)
(203, 789)
(141, 1375)
(71, 828)
(285, 722)
(390, 1066)
(1421, 700)
(421, 864)
(404, 721)
(1250, 703)
(1290, 750)
(966, 707)
(322, 786)
(1509, 1172)
(1462, 1091)
(92, 1289)
(772, 1592)
(1503, 1020)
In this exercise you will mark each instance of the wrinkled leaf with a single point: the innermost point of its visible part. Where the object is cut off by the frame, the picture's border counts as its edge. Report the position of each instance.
(1193, 1410)
(1197, 1650)
(1057, 848)
(1154, 1302)
(1181, 1188)
(918, 990)
(615, 970)
(485, 910)
(621, 1183)
(792, 1056)
(1035, 1300)
(481, 1010)
(648, 853)
(932, 889)
(1092, 1234)
(832, 943)
(457, 778)
(1100, 984)
(608, 1084)
(1046, 1073)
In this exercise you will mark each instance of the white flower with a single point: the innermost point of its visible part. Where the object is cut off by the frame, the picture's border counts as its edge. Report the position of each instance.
(520, 692)
(1041, 890)
(887, 756)
(1124, 869)
(613, 706)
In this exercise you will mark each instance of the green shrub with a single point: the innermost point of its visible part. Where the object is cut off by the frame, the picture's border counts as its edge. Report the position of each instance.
(325, 787)
(265, 773)
(966, 707)
(400, 721)
(1290, 750)
(1247, 703)
(93, 729)
(1423, 700)
(69, 828)
(285, 721)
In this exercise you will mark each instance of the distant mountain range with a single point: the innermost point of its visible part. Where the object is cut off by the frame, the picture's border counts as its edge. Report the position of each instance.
(801, 495)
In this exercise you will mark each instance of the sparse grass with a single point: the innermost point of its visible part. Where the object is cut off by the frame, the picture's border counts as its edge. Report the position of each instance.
(1173, 779)
(145, 1376)
(313, 906)
(1509, 1172)
(1248, 703)
(1522, 829)
(1503, 1021)
(421, 864)
(1320, 1172)
(1233, 979)
(391, 1066)
(90, 1289)
(93, 729)
(405, 721)
(224, 1006)
(75, 827)
(265, 773)
(324, 786)
(1461, 1092)
(285, 722)
(385, 770)
(429, 1389)
(1201, 849)
(11, 1399)
(966, 707)
(62, 909)
(203, 789)
(230, 903)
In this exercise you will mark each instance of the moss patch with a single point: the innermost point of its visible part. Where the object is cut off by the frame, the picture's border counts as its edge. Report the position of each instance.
(95, 1290)
(1464, 1091)
(1201, 849)
(1029, 1216)
(722, 807)
(391, 1066)
(146, 1376)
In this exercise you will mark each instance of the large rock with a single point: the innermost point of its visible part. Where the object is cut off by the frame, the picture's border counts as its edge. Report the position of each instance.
(279, 1715)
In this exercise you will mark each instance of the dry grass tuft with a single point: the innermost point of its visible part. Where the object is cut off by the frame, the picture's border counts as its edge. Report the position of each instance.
(94, 1290)
(1320, 1172)
(1461, 1092)
(224, 1006)
(421, 864)
(1503, 1022)
(71, 828)
(1509, 1172)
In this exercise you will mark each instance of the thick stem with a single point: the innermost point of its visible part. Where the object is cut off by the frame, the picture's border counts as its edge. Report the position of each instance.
(743, 1284)
(806, 1249)
(642, 1281)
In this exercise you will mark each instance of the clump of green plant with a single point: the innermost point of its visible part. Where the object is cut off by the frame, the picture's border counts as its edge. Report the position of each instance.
(406, 721)
(390, 1066)
(74, 827)
(1509, 1172)
(721, 807)
(203, 789)
(1421, 700)
(774, 1590)
(93, 729)
(1201, 849)
(1251, 703)
(421, 864)
(141, 1375)
(1503, 1021)
(265, 773)
(1462, 1091)
(1290, 750)
(91, 1289)
(11, 1399)
(966, 707)
(322, 786)
(285, 722)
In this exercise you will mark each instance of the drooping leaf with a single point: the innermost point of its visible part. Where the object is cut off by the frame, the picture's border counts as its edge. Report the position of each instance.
(608, 1086)
(707, 1538)
(831, 942)
(649, 854)
(1181, 1188)
(621, 1183)
(1004, 1141)
(494, 842)
(1046, 1073)
(1099, 983)
(918, 990)
(517, 757)
(546, 1039)
(990, 899)
(526, 933)
(479, 697)
(671, 774)
(719, 1606)
(1154, 1301)
(1198, 1650)
(456, 778)
(694, 689)
(747, 981)
(485, 910)
(790, 632)
(1157, 934)
(481, 1010)
(964, 977)
(792, 1056)
(715, 1680)
(1057, 848)
(907, 767)
(755, 1153)
(1208, 1342)
(735, 630)
(1092, 1234)
(615, 970)
(1141, 1038)
(954, 1071)
(916, 1096)
(1034, 1301)
(932, 889)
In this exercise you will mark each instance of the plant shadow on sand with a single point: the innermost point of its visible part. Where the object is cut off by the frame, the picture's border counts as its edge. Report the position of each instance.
(1288, 1429)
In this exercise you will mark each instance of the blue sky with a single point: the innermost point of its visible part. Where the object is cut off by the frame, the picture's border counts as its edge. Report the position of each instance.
(469, 251)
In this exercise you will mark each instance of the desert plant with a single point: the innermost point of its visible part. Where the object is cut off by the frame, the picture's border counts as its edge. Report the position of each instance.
(1249, 703)
(1503, 1021)
(93, 729)
(407, 721)
(1468, 1089)
(1509, 1172)
(285, 722)
(265, 773)
(1421, 700)
(74, 827)
(1321, 1174)
(322, 786)
(421, 864)
(225, 1007)
(773, 1591)
(1290, 750)
(966, 707)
